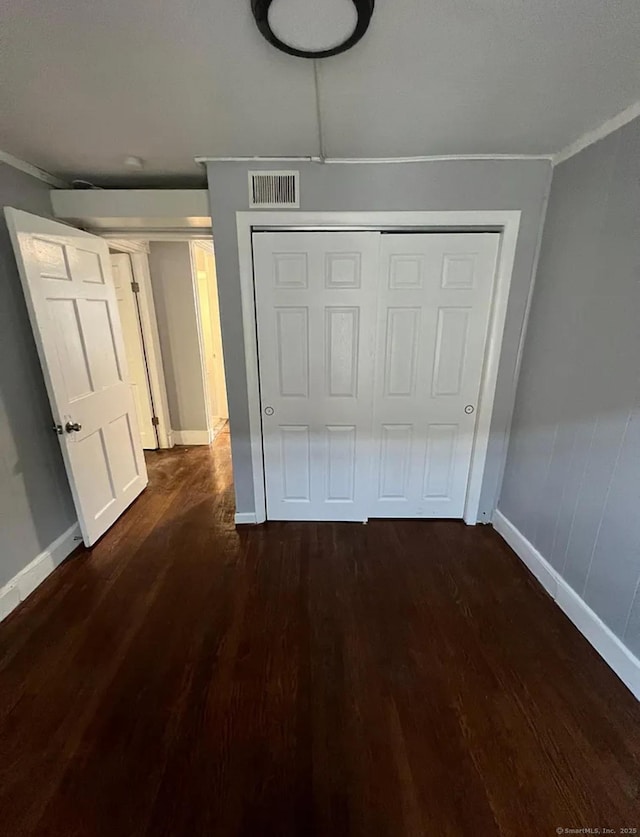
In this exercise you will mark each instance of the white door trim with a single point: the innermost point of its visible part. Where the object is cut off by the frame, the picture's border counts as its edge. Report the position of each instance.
(506, 222)
(203, 368)
(151, 341)
(124, 246)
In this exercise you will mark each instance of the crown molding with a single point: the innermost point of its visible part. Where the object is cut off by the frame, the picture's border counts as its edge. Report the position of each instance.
(436, 158)
(590, 137)
(204, 160)
(375, 160)
(34, 171)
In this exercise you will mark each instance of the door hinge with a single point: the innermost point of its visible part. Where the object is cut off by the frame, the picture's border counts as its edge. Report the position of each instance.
(135, 287)
(155, 421)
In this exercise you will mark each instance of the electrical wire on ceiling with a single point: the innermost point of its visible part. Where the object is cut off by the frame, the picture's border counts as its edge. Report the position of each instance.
(316, 81)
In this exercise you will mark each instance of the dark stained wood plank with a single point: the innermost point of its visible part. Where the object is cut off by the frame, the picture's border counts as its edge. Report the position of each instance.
(185, 677)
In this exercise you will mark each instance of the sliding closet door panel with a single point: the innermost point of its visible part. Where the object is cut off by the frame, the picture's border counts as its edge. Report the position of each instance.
(434, 302)
(316, 317)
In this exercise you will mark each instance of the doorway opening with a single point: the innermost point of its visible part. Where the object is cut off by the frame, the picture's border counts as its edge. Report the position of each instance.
(168, 304)
(127, 338)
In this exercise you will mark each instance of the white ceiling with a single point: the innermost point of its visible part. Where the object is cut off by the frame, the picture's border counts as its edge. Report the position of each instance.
(83, 83)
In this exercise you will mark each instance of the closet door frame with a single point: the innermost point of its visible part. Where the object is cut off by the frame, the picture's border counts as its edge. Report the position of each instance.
(507, 223)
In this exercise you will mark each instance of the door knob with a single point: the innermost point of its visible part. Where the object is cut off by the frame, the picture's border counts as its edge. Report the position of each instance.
(469, 409)
(72, 426)
(269, 411)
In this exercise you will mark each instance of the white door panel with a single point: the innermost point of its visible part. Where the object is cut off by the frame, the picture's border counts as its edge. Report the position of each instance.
(66, 277)
(315, 301)
(134, 347)
(433, 313)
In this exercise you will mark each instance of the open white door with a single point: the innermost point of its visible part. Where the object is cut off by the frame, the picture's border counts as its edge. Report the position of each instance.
(66, 276)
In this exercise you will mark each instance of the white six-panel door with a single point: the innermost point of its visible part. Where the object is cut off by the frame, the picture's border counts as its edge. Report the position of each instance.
(371, 349)
(316, 303)
(66, 277)
(434, 303)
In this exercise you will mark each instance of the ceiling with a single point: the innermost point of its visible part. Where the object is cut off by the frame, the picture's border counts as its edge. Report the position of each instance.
(84, 84)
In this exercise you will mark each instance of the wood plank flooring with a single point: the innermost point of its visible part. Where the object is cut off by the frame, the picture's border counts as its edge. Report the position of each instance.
(185, 678)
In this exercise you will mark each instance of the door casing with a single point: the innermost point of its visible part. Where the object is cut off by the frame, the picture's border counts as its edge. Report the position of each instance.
(133, 338)
(138, 251)
(507, 223)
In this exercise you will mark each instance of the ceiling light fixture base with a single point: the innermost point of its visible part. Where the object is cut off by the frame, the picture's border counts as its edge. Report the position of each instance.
(364, 11)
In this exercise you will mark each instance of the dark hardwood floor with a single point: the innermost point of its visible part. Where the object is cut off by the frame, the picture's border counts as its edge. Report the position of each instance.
(185, 678)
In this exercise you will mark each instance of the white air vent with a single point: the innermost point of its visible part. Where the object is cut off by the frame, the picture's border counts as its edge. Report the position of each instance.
(274, 189)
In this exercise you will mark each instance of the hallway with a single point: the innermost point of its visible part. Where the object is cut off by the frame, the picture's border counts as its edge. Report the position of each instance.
(186, 678)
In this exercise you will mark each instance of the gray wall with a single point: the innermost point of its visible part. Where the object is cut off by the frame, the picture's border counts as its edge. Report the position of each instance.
(572, 480)
(35, 500)
(455, 185)
(172, 280)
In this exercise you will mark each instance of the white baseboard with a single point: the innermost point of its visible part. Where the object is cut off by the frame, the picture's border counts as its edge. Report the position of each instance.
(26, 581)
(193, 437)
(243, 518)
(612, 650)
(527, 553)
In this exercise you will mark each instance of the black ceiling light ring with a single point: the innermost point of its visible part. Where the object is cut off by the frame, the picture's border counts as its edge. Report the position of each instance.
(364, 11)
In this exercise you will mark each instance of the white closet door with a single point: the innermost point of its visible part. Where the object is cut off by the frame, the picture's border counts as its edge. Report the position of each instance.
(433, 314)
(315, 305)
(134, 347)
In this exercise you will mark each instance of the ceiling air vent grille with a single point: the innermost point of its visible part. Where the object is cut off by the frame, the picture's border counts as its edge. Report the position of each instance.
(274, 189)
